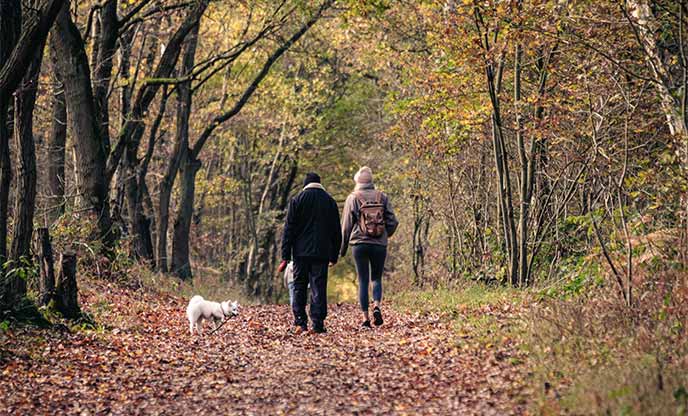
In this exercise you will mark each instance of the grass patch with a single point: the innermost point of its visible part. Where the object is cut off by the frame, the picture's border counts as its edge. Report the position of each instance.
(483, 312)
(448, 300)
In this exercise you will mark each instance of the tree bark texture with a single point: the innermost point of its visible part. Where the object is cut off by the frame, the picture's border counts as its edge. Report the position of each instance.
(66, 291)
(89, 146)
(46, 278)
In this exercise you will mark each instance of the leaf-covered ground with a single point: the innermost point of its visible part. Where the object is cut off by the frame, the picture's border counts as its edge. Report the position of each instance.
(145, 362)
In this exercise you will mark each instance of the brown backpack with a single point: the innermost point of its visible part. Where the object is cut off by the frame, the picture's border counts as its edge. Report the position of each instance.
(371, 216)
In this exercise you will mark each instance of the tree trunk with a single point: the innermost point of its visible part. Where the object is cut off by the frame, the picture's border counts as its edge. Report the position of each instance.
(649, 32)
(26, 35)
(144, 204)
(418, 246)
(25, 201)
(57, 140)
(525, 170)
(132, 131)
(117, 198)
(184, 102)
(647, 28)
(107, 46)
(5, 180)
(502, 169)
(182, 224)
(88, 143)
(494, 71)
(164, 218)
(537, 152)
(117, 201)
(10, 25)
(504, 196)
(44, 254)
(66, 292)
(139, 224)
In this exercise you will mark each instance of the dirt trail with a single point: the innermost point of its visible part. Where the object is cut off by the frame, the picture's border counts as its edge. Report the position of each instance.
(145, 362)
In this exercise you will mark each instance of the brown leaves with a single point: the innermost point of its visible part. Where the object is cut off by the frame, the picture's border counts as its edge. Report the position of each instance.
(146, 362)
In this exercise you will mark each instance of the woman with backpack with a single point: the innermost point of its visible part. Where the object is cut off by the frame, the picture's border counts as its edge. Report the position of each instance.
(367, 222)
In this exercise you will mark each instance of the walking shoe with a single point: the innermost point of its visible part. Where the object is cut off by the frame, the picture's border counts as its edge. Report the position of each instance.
(377, 316)
(366, 324)
(319, 329)
(300, 329)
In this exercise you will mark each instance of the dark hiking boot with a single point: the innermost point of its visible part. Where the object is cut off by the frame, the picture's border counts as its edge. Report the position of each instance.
(377, 316)
(365, 325)
(319, 329)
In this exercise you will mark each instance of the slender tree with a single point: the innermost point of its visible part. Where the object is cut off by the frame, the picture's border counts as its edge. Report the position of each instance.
(190, 162)
(56, 144)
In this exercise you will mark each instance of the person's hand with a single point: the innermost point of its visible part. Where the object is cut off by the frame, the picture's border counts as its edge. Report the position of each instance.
(332, 263)
(282, 266)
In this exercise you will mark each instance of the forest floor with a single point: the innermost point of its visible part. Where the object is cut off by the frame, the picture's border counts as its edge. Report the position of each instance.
(140, 359)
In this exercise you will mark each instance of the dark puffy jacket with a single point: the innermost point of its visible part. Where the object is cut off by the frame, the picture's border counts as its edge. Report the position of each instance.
(312, 228)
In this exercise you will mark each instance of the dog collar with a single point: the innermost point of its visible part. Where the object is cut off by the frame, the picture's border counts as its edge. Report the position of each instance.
(230, 315)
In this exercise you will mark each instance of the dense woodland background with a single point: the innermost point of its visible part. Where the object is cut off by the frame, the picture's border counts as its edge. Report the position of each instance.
(541, 145)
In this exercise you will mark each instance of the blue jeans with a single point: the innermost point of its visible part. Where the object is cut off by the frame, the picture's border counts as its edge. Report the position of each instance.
(290, 285)
(370, 263)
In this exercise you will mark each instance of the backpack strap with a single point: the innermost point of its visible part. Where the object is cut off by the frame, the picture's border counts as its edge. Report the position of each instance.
(361, 200)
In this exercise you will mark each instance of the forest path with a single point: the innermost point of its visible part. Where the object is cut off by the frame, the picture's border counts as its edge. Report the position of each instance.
(145, 362)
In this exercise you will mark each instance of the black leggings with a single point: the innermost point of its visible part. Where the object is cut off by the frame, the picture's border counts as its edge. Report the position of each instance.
(370, 262)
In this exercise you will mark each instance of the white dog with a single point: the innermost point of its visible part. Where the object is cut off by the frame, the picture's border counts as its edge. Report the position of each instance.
(200, 309)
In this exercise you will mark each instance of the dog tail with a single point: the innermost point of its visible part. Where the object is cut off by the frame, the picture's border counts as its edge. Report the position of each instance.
(195, 299)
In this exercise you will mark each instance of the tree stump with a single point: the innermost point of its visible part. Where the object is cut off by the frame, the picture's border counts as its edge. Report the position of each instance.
(66, 291)
(46, 279)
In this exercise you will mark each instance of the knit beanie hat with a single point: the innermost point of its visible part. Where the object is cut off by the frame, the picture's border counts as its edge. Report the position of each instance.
(310, 178)
(364, 175)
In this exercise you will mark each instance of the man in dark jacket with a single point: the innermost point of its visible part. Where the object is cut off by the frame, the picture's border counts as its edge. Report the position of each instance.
(312, 238)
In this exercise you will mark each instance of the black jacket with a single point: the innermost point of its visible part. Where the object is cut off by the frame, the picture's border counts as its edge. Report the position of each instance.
(312, 226)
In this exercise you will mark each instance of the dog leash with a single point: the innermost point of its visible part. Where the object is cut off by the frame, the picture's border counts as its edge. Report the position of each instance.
(221, 323)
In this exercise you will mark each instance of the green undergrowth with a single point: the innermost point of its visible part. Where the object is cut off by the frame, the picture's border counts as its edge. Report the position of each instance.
(591, 354)
(24, 312)
(584, 351)
(27, 314)
(483, 312)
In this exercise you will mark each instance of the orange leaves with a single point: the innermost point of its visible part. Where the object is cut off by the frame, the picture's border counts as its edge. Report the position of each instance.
(146, 362)
(255, 325)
